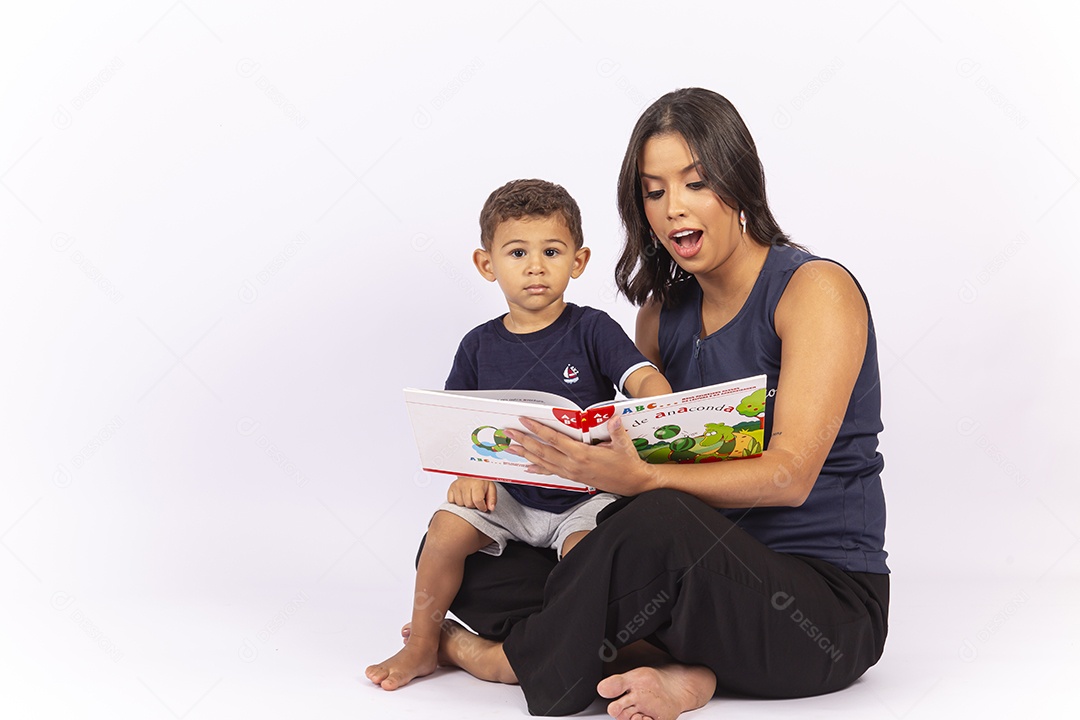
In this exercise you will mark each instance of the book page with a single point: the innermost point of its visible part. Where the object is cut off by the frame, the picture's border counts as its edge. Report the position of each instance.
(465, 434)
(538, 397)
(718, 422)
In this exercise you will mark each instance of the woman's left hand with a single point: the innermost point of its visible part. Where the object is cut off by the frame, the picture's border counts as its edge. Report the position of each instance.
(612, 466)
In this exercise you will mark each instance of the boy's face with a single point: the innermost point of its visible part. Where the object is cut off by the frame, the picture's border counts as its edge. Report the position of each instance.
(532, 259)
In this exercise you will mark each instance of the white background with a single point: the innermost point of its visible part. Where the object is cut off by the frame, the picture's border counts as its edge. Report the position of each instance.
(232, 233)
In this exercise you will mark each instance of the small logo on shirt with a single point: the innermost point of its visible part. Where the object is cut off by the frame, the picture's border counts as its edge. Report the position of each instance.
(570, 375)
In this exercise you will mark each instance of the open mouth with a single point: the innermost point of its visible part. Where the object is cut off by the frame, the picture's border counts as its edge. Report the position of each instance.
(686, 243)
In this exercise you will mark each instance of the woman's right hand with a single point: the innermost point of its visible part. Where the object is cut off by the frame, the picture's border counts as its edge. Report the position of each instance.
(613, 466)
(472, 493)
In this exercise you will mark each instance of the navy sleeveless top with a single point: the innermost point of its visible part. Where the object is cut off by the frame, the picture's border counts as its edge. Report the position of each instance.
(843, 519)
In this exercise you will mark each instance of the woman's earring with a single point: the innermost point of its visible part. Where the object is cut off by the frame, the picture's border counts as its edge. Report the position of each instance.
(652, 236)
(742, 220)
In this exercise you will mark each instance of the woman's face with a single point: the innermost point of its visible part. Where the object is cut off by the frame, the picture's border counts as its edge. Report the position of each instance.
(693, 224)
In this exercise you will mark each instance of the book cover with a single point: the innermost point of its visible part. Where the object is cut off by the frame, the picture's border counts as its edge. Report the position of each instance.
(463, 433)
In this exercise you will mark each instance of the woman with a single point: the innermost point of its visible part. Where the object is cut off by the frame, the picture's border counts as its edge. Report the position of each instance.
(765, 576)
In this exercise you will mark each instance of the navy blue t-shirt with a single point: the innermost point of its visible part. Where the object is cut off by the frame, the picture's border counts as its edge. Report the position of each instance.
(843, 519)
(583, 356)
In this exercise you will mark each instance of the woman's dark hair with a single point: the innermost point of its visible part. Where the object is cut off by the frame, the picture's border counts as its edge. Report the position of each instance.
(720, 142)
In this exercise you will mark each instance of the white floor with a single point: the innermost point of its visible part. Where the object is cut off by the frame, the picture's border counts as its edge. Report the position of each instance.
(995, 647)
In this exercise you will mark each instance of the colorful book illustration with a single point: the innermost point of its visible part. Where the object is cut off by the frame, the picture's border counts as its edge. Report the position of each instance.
(464, 433)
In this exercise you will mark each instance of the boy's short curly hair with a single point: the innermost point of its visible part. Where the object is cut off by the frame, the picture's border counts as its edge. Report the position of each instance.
(529, 198)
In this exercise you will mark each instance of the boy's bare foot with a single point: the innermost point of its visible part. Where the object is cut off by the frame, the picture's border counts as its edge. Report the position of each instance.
(480, 658)
(415, 660)
(658, 693)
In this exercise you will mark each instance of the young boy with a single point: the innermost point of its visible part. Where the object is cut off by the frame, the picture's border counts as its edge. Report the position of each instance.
(532, 244)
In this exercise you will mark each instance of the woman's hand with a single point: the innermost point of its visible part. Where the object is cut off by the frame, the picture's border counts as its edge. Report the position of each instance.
(611, 466)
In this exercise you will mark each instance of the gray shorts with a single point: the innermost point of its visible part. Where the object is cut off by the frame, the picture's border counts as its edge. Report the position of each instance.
(510, 520)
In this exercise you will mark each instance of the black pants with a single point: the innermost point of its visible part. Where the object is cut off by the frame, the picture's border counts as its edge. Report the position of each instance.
(667, 568)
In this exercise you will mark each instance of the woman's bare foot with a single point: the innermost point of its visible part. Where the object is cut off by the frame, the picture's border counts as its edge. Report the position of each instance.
(416, 659)
(658, 693)
(480, 658)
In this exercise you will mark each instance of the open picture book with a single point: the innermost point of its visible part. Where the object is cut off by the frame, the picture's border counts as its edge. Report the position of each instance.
(464, 433)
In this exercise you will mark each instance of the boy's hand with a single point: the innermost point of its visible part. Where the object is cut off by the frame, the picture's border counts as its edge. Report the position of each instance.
(472, 493)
